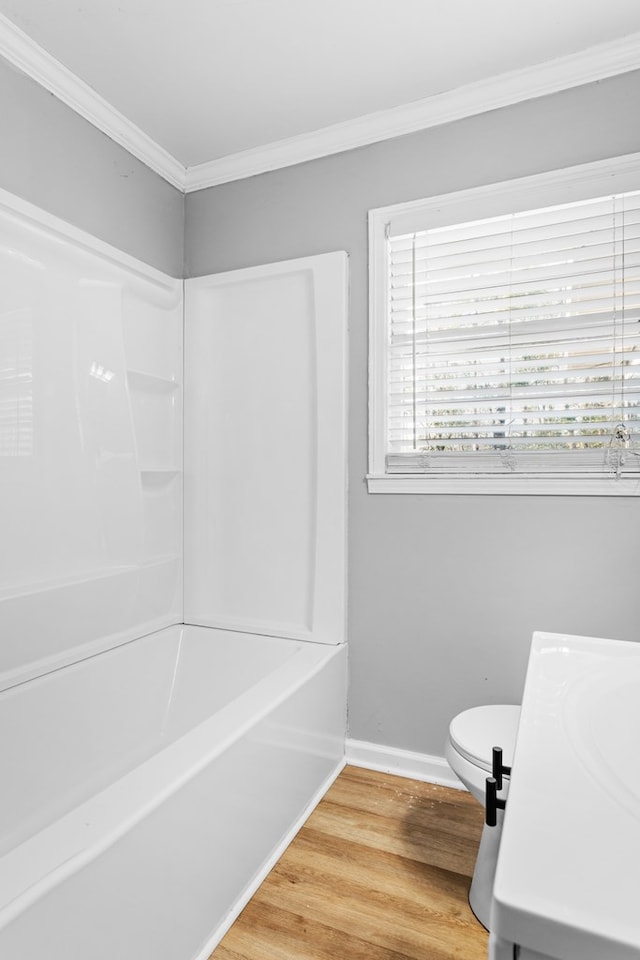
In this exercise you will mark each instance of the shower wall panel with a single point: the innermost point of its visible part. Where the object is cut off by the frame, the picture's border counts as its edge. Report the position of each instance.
(265, 449)
(90, 444)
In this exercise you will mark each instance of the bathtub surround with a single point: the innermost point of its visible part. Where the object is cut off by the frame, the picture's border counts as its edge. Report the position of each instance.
(91, 443)
(265, 448)
(162, 771)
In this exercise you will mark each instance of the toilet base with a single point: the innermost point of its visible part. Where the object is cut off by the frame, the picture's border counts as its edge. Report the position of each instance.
(484, 873)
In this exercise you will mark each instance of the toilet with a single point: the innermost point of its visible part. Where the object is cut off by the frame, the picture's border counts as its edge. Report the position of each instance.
(472, 736)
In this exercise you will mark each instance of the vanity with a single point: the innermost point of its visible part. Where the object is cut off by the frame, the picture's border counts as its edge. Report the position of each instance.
(567, 883)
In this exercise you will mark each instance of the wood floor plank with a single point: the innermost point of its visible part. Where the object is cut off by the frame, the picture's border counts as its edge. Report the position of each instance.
(406, 924)
(410, 837)
(374, 780)
(456, 811)
(288, 936)
(380, 871)
(366, 870)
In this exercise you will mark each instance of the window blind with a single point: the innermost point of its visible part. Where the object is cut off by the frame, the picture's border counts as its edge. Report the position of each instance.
(514, 343)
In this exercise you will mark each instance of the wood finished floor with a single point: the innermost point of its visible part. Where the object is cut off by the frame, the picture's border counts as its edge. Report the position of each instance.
(380, 871)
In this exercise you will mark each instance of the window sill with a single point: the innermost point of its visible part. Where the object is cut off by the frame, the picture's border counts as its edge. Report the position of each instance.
(557, 486)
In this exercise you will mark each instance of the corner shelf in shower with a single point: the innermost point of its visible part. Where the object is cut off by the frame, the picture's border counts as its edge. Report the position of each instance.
(155, 399)
(158, 476)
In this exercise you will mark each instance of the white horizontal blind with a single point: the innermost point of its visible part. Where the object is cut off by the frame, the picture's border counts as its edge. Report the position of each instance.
(514, 343)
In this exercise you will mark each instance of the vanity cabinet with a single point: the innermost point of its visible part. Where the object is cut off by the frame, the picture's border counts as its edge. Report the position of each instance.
(568, 870)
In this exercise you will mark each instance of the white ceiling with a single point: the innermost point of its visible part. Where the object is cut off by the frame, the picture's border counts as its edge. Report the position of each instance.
(208, 78)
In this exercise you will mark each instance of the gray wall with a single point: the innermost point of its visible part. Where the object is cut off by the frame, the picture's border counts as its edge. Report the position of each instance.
(55, 159)
(445, 591)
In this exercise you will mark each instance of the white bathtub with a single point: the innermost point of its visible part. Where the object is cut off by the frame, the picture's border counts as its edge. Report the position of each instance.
(146, 791)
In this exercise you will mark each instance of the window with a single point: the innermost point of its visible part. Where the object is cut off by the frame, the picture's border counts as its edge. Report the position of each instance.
(505, 337)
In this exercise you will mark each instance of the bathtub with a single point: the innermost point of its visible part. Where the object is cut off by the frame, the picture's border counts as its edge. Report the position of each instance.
(146, 791)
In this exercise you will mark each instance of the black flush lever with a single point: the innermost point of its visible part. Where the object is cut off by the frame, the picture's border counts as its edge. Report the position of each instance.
(493, 784)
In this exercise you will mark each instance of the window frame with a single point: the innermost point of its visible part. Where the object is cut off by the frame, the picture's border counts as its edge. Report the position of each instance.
(582, 182)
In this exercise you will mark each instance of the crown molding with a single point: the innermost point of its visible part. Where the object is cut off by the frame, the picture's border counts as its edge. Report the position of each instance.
(587, 66)
(20, 50)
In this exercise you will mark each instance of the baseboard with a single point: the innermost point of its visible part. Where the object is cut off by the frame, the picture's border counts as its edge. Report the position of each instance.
(403, 763)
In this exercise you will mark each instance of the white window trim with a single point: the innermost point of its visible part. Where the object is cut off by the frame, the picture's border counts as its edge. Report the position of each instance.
(616, 175)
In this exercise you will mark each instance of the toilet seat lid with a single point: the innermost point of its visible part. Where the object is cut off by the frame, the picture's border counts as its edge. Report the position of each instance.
(473, 733)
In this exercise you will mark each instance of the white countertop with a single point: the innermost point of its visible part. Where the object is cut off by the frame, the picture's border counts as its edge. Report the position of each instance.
(568, 876)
